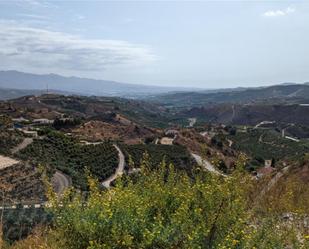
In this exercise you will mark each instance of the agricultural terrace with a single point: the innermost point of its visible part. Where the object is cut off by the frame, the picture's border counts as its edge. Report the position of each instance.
(57, 151)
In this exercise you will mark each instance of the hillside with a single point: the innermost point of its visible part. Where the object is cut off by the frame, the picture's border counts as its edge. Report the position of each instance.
(129, 133)
(278, 93)
(250, 114)
(9, 93)
(52, 106)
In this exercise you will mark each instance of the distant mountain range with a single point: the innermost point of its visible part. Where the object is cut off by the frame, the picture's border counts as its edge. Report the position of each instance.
(15, 84)
(81, 86)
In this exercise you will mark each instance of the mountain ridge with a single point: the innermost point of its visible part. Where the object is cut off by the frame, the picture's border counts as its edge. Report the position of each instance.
(20, 80)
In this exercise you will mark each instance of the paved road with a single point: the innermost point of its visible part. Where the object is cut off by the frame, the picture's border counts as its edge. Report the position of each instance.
(119, 170)
(206, 164)
(264, 122)
(60, 182)
(27, 141)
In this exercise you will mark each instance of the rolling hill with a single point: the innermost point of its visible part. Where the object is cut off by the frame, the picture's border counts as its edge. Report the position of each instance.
(250, 114)
(285, 93)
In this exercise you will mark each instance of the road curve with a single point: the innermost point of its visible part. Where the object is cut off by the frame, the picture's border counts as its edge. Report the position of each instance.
(60, 182)
(119, 170)
(206, 164)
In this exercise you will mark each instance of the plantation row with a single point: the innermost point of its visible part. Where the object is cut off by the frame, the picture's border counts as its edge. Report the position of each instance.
(175, 154)
(263, 144)
(57, 151)
(21, 182)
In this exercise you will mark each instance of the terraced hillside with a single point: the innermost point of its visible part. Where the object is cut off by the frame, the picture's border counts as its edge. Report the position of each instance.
(58, 151)
(263, 145)
(20, 182)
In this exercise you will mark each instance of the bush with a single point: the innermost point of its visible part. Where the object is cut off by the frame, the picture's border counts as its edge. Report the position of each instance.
(166, 209)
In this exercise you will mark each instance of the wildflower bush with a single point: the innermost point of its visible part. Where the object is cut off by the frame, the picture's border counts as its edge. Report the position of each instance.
(166, 210)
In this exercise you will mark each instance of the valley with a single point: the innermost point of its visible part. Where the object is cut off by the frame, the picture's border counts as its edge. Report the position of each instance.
(154, 124)
(67, 139)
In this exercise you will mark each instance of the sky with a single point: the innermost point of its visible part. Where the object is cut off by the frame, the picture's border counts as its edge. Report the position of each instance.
(205, 44)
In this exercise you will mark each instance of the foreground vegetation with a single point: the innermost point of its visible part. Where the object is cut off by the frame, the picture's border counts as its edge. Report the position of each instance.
(167, 209)
(18, 223)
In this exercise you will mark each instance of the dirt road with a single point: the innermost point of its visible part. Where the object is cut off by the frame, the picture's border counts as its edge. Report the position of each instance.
(27, 141)
(207, 165)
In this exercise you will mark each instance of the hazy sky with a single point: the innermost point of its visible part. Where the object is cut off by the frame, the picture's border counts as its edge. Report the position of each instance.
(206, 44)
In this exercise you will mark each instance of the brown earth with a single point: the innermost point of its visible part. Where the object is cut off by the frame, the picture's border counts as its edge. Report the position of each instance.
(124, 130)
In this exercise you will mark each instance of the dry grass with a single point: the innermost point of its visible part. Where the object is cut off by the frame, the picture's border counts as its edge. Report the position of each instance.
(40, 239)
(1, 238)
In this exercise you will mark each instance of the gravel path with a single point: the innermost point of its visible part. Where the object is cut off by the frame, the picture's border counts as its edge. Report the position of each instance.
(206, 164)
(27, 141)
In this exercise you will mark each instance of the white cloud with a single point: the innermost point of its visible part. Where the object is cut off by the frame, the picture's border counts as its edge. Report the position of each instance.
(32, 4)
(278, 13)
(26, 47)
(33, 16)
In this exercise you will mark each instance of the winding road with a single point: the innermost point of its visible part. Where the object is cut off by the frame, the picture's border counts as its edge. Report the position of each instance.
(60, 182)
(206, 164)
(119, 170)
